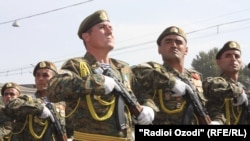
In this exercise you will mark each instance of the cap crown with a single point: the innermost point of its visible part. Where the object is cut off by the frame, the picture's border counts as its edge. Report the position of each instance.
(10, 85)
(91, 20)
(45, 65)
(230, 45)
(172, 30)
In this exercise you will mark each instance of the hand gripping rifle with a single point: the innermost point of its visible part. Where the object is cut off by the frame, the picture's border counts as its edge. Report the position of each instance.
(124, 95)
(199, 108)
(60, 132)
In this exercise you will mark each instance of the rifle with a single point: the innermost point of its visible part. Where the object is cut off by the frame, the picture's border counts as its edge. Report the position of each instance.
(134, 107)
(199, 109)
(60, 132)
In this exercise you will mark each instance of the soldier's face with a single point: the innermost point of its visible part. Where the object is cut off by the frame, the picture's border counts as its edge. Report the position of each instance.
(100, 37)
(9, 94)
(173, 47)
(42, 78)
(230, 61)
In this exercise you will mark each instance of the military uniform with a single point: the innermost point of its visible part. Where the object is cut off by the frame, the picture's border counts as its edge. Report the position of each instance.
(59, 107)
(6, 122)
(95, 108)
(154, 89)
(28, 125)
(5, 125)
(95, 113)
(155, 82)
(221, 92)
(25, 110)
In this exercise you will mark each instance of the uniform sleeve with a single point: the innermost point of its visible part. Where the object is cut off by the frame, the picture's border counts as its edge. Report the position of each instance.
(22, 106)
(215, 90)
(5, 124)
(149, 77)
(220, 88)
(152, 76)
(68, 85)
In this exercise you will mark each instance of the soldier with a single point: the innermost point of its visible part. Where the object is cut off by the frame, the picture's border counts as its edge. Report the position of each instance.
(43, 72)
(30, 123)
(167, 87)
(227, 99)
(19, 110)
(98, 108)
(9, 91)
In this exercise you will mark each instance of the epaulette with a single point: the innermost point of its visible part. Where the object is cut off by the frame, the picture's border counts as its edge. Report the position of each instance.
(119, 62)
(142, 65)
(195, 74)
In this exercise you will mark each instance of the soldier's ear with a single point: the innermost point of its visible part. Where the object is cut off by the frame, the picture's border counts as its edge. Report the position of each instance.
(186, 52)
(159, 49)
(85, 36)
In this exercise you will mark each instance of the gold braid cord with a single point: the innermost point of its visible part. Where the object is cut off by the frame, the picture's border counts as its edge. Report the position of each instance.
(165, 109)
(22, 127)
(229, 107)
(29, 119)
(84, 70)
(74, 110)
(105, 103)
(45, 124)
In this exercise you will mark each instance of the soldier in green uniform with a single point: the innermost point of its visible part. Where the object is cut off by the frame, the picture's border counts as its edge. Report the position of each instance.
(43, 72)
(227, 99)
(165, 87)
(9, 91)
(33, 120)
(98, 110)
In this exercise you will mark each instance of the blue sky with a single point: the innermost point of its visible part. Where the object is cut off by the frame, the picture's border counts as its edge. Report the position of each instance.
(137, 24)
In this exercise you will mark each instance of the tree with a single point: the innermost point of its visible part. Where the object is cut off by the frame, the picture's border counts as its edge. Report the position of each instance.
(205, 63)
(244, 76)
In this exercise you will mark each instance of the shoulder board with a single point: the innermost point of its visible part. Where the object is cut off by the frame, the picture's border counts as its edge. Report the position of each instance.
(149, 64)
(73, 60)
(195, 74)
(116, 61)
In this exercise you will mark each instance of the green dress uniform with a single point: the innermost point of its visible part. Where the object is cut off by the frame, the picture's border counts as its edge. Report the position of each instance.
(92, 113)
(154, 84)
(220, 92)
(25, 110)
(59, 108)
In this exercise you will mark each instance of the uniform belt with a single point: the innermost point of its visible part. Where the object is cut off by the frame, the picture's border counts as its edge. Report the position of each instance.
(97, 137)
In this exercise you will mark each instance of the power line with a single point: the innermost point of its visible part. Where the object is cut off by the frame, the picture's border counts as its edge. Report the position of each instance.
(218, 25)
(22, 70)
(198, 30)
(46, 12)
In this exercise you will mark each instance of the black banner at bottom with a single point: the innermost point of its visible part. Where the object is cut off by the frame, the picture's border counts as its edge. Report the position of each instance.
(204, 132)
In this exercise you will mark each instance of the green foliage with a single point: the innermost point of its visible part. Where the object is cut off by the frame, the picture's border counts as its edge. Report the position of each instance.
(205, 63)
(244, 76)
